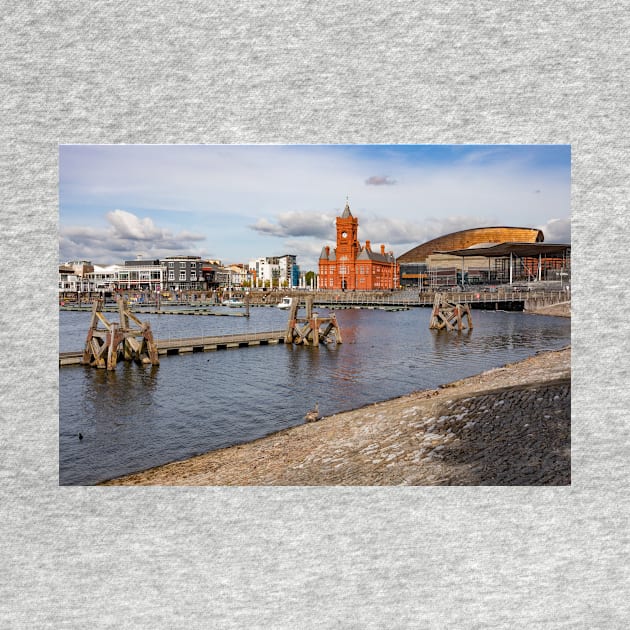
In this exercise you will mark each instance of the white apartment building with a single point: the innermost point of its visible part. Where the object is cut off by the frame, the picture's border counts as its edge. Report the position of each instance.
(274, 271)
(289, 274)
(261, 271)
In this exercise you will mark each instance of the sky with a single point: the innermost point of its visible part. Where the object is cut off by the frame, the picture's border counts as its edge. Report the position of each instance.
(236, 203)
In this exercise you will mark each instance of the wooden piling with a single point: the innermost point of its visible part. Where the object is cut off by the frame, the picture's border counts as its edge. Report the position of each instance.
(312, 329)
(450, 315)
(103, 346)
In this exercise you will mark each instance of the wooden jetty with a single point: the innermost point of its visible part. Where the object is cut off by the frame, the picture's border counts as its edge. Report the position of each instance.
(144, 310)
(312, 329)
(309, 330)
(197, 344)
(449, 315)
(104, 345)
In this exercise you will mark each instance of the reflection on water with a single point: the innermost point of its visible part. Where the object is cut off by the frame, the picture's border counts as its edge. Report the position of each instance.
(138, 417)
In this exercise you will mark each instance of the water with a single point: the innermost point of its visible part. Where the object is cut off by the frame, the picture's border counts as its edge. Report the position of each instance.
(139, 417)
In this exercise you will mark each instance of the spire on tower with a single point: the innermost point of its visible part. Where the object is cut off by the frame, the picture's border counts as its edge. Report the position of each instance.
(346, 210)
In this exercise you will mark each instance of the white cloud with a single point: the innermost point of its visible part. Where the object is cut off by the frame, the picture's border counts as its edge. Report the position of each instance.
(308, 224)
(126, 236)
(128, 226)
(557, 231)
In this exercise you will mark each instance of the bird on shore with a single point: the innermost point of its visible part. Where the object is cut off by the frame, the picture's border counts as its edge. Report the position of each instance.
(313, 414)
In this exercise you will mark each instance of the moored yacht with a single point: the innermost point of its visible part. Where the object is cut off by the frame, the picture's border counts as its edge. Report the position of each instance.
(233, 303)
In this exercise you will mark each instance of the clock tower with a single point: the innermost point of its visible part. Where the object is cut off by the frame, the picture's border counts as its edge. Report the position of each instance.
(347, 236)
(350, 267)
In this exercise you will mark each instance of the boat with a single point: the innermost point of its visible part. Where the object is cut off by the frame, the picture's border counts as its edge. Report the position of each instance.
(286, 302)
(233, 303)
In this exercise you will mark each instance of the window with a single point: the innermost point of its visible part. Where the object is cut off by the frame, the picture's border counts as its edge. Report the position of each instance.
(182, 274)
(171, 275)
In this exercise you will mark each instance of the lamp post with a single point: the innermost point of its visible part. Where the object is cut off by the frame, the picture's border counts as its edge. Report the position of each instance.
(562, 274)
(394, 272)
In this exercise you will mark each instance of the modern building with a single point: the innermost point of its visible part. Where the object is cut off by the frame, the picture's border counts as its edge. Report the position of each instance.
(104, 277)
(184, 273)
(289, 271)
(275, 271)
(499, 254)
(141, 275)
(349, 266)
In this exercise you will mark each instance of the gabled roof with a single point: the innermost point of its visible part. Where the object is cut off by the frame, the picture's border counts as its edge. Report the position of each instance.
(331, 254)
(366, 254)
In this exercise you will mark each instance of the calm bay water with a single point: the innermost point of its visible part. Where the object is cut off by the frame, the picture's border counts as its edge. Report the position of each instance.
(139, 417)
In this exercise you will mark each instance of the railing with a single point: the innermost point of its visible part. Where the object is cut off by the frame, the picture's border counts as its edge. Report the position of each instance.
(427, 299)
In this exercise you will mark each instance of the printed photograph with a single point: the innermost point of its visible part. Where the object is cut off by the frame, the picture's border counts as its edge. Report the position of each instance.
(315, 315)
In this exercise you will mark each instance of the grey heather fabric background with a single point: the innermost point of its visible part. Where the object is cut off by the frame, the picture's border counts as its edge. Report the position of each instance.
(266, 72)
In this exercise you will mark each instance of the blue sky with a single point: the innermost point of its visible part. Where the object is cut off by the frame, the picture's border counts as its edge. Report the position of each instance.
(239, 202)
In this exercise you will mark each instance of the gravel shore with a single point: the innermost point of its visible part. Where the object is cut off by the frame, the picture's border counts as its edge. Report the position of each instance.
(507, 426)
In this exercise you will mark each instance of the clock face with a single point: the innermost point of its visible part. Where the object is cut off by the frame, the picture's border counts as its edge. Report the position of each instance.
(344, 234)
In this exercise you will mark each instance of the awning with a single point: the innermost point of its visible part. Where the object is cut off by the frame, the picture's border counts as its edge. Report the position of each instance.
(505, 249)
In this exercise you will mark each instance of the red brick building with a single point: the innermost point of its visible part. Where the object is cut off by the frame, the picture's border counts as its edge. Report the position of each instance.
(352, 267)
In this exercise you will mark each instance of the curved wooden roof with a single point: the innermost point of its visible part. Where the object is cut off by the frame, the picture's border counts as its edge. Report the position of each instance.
(474, 236)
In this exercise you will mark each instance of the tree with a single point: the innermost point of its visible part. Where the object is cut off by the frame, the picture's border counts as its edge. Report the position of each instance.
(310, 277)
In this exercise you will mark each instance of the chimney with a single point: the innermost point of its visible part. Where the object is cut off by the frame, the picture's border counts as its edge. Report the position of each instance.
(382, 250)
(368, 246)
(327, 251)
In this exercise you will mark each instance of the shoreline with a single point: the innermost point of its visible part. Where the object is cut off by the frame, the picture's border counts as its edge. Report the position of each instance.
(506, 426)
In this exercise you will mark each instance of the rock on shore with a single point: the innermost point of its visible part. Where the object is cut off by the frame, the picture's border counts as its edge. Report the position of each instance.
(506, 426)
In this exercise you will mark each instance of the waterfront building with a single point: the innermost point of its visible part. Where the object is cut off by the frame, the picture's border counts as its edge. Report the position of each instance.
(84, 277)
(68, 279)
(289, 271)
(275, 271)
(141, 275)
(214, 274)
(349, 266)
(80, 276)
(498, 254)
(184, 272)
(104, 277)
(238, 274)
(260, 271)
